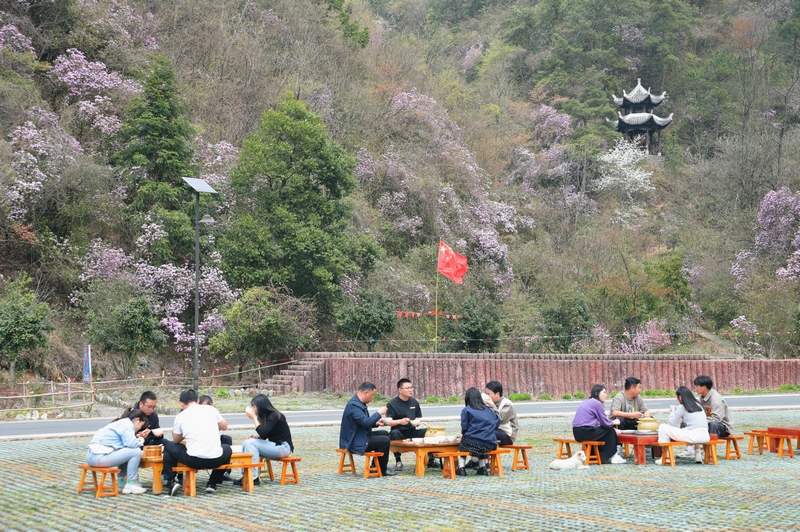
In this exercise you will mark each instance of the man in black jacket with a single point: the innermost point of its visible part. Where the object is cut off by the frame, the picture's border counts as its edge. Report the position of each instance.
(147, 404)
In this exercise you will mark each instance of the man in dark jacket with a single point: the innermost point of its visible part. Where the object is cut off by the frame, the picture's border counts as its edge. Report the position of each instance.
(356, 433)
(147, 404)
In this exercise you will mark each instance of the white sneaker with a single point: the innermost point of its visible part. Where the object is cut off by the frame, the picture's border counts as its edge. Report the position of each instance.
(688, 453)
(617, 459)
(133, 487)
(658, 462)
(699, 456)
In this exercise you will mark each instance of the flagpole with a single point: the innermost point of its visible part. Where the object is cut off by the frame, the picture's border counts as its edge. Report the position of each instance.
(436, 340)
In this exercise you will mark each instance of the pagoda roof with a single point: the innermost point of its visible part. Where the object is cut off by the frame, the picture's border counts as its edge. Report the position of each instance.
(639, 95)
(644, 120)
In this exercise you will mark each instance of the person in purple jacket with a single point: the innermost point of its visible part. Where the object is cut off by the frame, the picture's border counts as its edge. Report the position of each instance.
(592, 424)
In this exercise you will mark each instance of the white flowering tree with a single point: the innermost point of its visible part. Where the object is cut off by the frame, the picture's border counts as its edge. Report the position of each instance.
(621, 171)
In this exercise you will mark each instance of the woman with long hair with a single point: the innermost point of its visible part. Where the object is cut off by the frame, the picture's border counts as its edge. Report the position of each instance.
(592, 424)
(478, 423)
(274, 439)
(695, 426)
(116, 445)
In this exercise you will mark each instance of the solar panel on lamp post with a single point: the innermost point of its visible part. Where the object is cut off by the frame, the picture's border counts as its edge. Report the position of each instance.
(198, 185)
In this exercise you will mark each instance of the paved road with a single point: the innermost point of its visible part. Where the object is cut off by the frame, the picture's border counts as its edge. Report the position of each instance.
(75, 427)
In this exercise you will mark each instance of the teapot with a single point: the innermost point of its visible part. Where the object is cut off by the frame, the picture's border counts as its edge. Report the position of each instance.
(648, 424)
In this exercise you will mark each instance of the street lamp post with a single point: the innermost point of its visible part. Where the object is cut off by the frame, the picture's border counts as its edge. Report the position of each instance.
(198, 185)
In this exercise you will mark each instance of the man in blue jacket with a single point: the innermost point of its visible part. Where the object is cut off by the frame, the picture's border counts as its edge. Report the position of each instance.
(356, 433)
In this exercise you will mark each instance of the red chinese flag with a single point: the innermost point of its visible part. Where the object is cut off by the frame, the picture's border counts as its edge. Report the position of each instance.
(451, 264)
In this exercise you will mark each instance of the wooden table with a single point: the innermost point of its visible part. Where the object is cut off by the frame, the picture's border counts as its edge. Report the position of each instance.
(793, 432)
(639, 442)
(420, 450)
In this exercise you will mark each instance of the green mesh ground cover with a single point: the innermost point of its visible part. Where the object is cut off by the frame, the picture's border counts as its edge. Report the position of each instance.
(40, 479)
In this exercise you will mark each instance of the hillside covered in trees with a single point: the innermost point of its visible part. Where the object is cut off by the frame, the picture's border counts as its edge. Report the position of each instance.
(345, 138)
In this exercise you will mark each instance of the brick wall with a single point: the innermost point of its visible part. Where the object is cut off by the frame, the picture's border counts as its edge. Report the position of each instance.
(446, 374)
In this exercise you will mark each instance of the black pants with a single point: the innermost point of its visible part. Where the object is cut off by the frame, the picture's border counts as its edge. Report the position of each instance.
(379, 442)
(176, 452)
(397, 434)
(604, 434)
(224, 439)
(718, 428)
(628, 423)
(502, 437)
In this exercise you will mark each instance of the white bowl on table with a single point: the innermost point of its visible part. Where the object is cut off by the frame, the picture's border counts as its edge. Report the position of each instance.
(417, 440)
(431, 439)
(451, 439)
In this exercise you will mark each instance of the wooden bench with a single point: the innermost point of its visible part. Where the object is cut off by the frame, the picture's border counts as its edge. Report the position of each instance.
(449, 462)
(243, 461)
(290, 478)
(760, 438)
(668, 453)
(100, 488)
(732, 441)
(520, 460)
(370, 469)
(496, 461)
(591, 448)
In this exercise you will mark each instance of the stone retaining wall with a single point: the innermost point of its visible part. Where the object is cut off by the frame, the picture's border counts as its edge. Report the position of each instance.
(446, 374)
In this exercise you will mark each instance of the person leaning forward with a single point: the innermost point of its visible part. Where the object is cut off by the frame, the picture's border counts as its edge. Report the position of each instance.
(355, 434)
(406, 414)
(629, 406)
(151, 432)
(198, 426)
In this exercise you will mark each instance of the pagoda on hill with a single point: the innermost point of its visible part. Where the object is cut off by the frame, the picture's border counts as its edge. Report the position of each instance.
(637, 118)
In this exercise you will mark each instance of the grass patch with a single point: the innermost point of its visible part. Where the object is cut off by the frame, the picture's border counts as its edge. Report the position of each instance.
(545, 397)
(520, 397)
(579, 395)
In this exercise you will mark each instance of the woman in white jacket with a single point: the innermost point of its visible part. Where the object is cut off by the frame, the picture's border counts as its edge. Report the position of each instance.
(687, 422)
(116, 445)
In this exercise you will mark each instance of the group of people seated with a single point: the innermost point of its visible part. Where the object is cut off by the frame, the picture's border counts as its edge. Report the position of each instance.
(691, 420)
(487, 418)
(197, 440)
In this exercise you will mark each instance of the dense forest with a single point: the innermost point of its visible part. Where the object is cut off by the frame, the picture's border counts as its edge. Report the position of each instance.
(345, 138)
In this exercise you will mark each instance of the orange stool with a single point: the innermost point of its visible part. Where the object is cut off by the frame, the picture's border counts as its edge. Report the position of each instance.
(100, 488)
(520, 456)
(760, 438)
(286, 476)
(449, 462)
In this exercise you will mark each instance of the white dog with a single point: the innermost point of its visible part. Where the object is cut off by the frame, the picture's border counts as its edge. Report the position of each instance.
(575, 462)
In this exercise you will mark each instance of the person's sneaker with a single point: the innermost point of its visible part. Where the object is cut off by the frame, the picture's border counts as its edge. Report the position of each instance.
(133, 487)
(461, 472)
(617, 459)
(688, 453)
(658, 462)
(227, 477)
(238, 481)
(389, 473)
(121, 482)
(172, 488)
(432, 462)
(398, 466)
(471, 464)
(211, 488)
(699, 456)
(482, 472)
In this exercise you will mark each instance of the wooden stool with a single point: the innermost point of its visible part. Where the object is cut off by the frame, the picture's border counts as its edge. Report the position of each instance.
(520, 456)
(372, 469)
(780, 440)
(346, 468)
(189, 479)
(760, 438)
(496, 461)
(290, 478)
(710, 450)
(449, 462)
(100, 488)
(734, 441)
(668, 453)
(589, 447)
